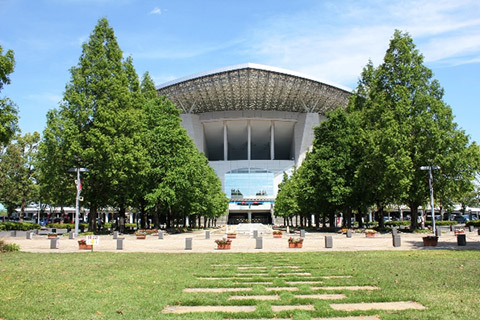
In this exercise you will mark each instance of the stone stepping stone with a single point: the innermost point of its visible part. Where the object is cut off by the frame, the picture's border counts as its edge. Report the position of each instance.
(399, 305)
(335, 277)
(246, 268)
(216, 278)
(281, 289)
(250, 274)
(216, 289)
(188, 309)
(254, 282)
(350, 318)
(264, 297)
(353, 288)
(321, 296)
(304, 282)
(297, 307)
(286, 267)
(295, 274)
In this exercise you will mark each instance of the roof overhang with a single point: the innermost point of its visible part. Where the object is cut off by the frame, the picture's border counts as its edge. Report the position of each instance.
(254, 87)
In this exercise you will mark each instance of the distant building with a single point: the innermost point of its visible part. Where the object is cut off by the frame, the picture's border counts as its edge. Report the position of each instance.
(253, 123)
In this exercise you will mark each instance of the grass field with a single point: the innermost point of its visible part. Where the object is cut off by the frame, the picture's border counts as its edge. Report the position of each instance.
(139, 285)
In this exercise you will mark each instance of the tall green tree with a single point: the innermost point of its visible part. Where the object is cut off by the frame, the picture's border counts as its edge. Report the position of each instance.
(18, 178)
(98, 125)
(8, 110)
(407, 125)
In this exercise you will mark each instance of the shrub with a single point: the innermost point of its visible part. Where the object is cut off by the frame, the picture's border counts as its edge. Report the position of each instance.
(22, 226)
(8, 247)
(441, 223)
(61, 225)
(475, 223)
(397, 223)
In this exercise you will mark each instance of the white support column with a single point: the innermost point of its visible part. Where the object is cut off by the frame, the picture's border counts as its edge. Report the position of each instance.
(225, 141)
(272, 140)
(249, 141)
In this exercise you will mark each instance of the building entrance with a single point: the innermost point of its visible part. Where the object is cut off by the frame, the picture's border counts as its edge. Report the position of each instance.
(257, 217)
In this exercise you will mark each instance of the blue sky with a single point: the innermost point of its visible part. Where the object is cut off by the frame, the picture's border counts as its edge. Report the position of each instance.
(330, 40)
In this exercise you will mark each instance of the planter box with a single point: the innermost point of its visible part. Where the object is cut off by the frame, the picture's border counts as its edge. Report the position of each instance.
(430, 241)
(277, 235)
(295, 244)
(231, 235)
(224, 246)
(141, 236)
(85, 246)
(50, 236)
(369, 234)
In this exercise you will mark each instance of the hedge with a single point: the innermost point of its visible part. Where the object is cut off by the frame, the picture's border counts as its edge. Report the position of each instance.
(441, 223)
(22, 226)
(397, 223)
(475, 223)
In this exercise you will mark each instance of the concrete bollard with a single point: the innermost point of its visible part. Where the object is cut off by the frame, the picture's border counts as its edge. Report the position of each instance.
(160, 235)
(349, 233)
(71, 235)
(397, 241)
(188, 243)
(438, 231)
(255, 234)
(302, 233)
(328, 242)
(120, 243)
(29, 235)
(461, 239)
(471, 228)
(259, 243)
(115, 235)
(13, 233)
(207, 234)
(54, 243)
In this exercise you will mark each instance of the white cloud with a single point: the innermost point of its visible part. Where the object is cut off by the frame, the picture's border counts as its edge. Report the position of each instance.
(335, 41)
(156, 10)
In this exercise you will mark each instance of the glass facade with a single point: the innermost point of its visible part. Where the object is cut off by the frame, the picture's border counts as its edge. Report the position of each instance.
(249, 183)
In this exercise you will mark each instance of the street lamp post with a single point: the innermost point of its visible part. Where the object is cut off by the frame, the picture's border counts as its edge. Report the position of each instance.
(78, 183)
(430, 185)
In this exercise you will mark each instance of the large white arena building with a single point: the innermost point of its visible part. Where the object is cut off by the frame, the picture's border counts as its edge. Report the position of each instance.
(253, 122)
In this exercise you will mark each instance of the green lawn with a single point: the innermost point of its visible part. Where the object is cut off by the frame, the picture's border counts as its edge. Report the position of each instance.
(139, 285)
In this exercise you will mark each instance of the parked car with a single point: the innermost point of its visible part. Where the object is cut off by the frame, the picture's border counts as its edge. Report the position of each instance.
(462, 218)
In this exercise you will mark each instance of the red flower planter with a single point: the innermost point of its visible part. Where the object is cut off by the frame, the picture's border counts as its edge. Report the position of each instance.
(295, 244)
(224, 246)
(370, 235)
(85, 246)
(277, 235)
(141, 236)
(231, 235)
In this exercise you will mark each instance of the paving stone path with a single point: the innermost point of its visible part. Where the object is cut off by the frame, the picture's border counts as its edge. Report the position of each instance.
(252, 279)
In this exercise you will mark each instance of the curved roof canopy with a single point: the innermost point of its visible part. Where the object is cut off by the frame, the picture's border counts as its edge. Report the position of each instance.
(253, 87)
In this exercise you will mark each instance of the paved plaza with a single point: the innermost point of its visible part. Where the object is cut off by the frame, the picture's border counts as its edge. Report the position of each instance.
(313, 241)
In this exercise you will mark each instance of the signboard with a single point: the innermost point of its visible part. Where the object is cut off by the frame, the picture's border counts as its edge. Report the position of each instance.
(94, 240)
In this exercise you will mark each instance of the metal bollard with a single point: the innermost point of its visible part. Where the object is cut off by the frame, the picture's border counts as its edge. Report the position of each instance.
(349, 233)
(115, 235)
(302, 233)
(461, 239)
(54, 243)
(397, 241)
(255, 234)
(160, 235)
(120, 243)
(328, 242)
(71, 235)
(438, 231)
(188, 243)
(207, 234)
(13, 233)
(259, 243)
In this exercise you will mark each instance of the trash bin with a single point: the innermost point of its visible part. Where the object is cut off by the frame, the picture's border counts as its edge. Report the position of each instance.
(397, 242)
(461, 239)
(54, 243)
(259, 243)
(349, 233)
(120, 243)
(188, 243)
(328, 242)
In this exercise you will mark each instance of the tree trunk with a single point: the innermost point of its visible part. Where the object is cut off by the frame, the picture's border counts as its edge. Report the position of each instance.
(379, 217)
(413, 216)
(347, 218)
(121, 219)
(156, 217)
(92, 218)
(331, 217)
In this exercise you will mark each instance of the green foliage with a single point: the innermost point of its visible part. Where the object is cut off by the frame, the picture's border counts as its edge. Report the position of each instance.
(8, 247)
(18, 174)
(8, 110)
(441, 223)
(22, 226)
(61, 225)
(475, 223)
